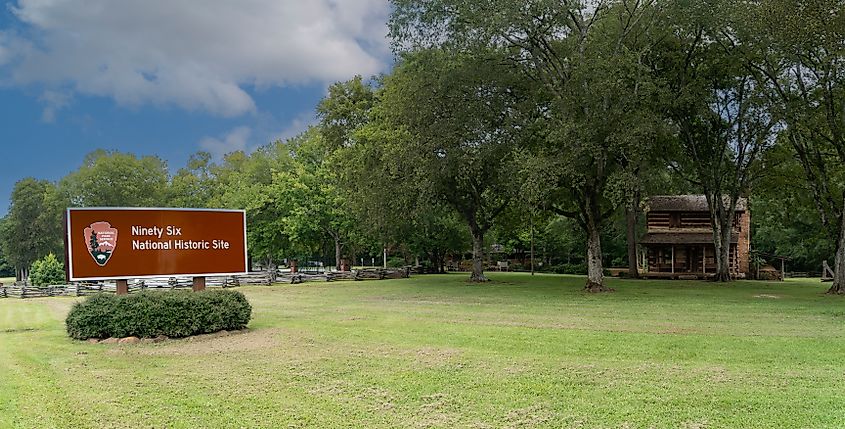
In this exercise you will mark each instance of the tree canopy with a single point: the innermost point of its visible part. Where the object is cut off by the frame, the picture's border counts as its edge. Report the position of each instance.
(505, 126)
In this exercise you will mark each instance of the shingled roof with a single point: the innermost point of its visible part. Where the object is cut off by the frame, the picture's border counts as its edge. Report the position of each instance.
(685, 203)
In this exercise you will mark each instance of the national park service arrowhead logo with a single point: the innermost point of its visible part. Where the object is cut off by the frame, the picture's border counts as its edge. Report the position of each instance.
(101, 239)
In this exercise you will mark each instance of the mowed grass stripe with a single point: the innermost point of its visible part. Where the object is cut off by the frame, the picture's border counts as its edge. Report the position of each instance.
(17, 315)
(34, 350)
(9, 386)
(435, 351)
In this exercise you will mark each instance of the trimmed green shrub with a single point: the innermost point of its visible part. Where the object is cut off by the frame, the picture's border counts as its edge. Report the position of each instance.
(47, 271)
(396, 262)
(570, 268)
(150, 314)
(516, 266)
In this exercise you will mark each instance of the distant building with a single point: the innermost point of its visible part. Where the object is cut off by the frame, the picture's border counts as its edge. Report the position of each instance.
(679, 241)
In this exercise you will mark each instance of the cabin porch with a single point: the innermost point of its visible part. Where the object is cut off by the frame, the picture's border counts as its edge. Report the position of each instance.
(684, 261)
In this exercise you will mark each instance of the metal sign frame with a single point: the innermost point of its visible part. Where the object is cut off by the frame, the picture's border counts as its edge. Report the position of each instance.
(69, 248)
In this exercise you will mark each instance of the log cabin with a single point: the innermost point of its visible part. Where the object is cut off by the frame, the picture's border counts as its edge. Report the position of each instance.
(679, 240)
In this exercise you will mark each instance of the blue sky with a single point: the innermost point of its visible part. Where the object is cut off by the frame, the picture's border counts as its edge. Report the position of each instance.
(169, 78)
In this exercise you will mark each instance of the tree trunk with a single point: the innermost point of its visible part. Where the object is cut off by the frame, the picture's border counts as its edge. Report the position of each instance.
(722, 219)
(337, 253)
(595, 270)
(631, 227)
(838, 286)
(477, 257)
(719, 275)
(723, 256)
(532, 242)
(592, 226)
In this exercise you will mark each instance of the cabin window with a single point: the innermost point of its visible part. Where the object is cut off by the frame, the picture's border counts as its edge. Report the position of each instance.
(675, 220)
(695, 220)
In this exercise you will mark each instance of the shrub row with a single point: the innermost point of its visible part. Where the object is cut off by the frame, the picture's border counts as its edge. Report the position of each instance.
(153, 313)
(569, 268)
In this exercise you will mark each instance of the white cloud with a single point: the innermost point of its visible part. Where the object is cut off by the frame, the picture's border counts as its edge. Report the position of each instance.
(194, 55)
(235, 140)
(297, 126)
(53, 102)
(248, 139)
(10, 45)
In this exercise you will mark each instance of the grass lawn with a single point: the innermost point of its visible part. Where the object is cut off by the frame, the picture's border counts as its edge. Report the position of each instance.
(7, 280)
(434, 351)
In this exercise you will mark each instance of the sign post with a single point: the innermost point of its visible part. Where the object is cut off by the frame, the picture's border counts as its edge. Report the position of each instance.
(122, 287)
(122, 243)
(199, 284)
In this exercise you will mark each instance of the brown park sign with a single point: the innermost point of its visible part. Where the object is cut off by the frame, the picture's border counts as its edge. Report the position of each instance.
(120, 243)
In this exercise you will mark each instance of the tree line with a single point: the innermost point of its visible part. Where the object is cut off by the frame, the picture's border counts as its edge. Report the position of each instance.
(541, 121)
(590, 101)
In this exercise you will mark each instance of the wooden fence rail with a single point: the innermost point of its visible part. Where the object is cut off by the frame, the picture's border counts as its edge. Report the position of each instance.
(262, 278)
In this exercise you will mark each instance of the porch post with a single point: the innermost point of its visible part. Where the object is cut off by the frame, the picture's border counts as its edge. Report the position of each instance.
(643, 258)
(673, 259)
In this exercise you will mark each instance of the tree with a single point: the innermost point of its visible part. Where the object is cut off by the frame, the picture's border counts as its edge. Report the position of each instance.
(246, 182)
(435, 232)
(355, 165)
(786, 222)
(587, 58)
(6, 270)
(345, 110)
(456, 120)
(389, 211)
(116, 179)
(47, 271)
(799, 47)
(92, 242)
(192, 185)
(32, 228)
(719, 109)
(319, 208)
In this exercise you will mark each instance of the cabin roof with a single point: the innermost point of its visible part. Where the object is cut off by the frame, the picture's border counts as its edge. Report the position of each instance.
(681, 238)
(685, 203)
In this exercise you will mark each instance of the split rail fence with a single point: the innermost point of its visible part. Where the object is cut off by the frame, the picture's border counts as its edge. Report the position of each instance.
(262, 278)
